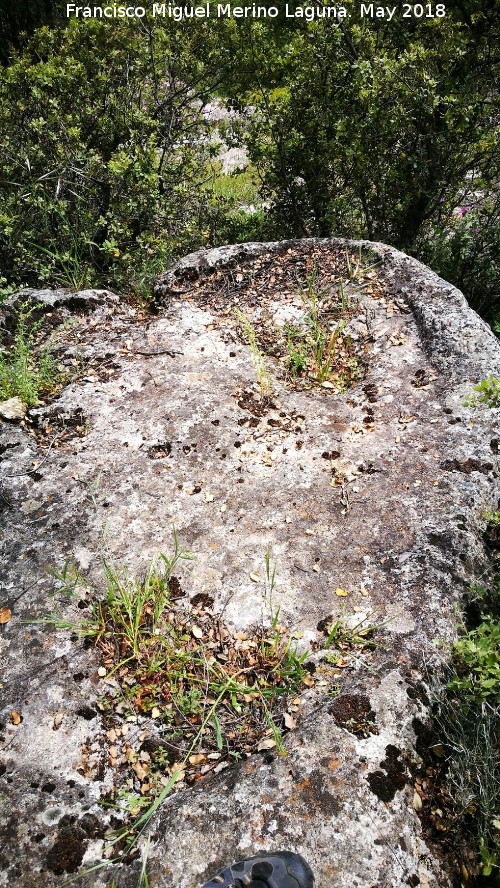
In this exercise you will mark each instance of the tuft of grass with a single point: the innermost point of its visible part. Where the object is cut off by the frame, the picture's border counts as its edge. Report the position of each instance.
(261, 368)
(492, 519)
(67, 264)
(26, 372)
(468, 745)
(239, 187)
(466, 711)
(208, 695)
(343, 638)
(314, 346)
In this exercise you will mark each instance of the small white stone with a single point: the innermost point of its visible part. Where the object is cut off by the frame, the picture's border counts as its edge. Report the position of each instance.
(14, 408)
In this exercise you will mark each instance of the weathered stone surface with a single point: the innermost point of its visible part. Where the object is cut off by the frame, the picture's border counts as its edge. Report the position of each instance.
(13, 409)
(64, 298)
(58, 304)
(167, 422)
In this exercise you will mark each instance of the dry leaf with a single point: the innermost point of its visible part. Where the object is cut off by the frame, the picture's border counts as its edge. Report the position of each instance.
(197, 759)
(209, 497)
(101, 671)
(255, 578)
(15, 717)
(290, 722)
(140, 771)
(340, 592)
(5, 615)
(197, 632)
(417, 802)
(155, 712)
(308, 680)
(266, 744)
(178, 771)
(327, 385)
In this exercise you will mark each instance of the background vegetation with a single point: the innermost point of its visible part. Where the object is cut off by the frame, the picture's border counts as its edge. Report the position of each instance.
(384, 130)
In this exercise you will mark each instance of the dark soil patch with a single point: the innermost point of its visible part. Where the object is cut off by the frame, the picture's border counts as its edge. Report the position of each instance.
(354, 712)
(66, 854)
(385, 785)
(160, 451)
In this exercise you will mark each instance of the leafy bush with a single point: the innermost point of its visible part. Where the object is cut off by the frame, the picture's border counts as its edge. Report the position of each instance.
(478, 655)
(21, 18)
(103, 149)
(485, 392)
(464, 248)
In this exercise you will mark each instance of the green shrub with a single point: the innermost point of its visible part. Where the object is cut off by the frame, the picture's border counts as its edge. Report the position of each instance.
(370, 130)
(464, 248)
(485, 392)
(478, 656)
(102, 152)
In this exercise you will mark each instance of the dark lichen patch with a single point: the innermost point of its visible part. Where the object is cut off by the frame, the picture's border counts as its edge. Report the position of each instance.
(386, 785)
(354, 712)
(371, 392)
(87, 713)
(67, 852)
(257, 406)
(323, 625)
(381, 785)
(202, 599)
(466, 466)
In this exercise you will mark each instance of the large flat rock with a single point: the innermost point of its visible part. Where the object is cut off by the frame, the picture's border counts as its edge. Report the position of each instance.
(379, 491)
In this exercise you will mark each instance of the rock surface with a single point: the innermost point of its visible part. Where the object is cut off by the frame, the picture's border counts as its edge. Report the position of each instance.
(379, 491)
(13, 409)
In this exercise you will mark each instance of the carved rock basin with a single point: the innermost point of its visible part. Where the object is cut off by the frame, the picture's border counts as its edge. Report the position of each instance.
(378, 491)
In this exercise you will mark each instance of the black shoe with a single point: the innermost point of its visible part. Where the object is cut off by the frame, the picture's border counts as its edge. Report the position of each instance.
(281, 869)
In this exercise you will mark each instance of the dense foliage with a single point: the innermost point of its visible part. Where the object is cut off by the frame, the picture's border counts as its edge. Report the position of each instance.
(104, 149)
(20, 18)
(361, 127)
